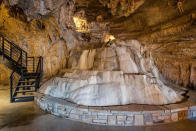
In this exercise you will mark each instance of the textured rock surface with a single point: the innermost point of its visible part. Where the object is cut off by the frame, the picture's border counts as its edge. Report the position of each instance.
(176, 61)
(64, 12)
(169, 36)
(38, 38)
(116, 75)
(122, 7)
(4, 74)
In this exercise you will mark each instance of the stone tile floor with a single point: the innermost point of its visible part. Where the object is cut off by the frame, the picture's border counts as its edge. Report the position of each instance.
(28, 117)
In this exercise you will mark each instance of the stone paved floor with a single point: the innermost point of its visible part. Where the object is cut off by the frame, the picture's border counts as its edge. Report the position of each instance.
(28, 117)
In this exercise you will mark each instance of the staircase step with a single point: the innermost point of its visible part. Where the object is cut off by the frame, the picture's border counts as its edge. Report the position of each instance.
(25, 91)
(22, 96)
(22, 99)
(30, 77)
(23, 86)
(26, 81)
(31, 73)
(26, 85)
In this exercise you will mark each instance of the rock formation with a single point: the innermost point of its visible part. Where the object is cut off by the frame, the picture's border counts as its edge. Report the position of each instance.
(169, 36)
(116, 75)
(122, 7)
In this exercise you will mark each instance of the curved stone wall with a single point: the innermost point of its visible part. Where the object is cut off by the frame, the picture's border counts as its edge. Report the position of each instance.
(127, 115)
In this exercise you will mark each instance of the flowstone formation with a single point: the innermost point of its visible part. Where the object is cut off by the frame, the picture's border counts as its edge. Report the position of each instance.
(116, 75)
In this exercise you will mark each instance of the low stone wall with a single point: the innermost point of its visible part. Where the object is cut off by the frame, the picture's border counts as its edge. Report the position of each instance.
(128, 115)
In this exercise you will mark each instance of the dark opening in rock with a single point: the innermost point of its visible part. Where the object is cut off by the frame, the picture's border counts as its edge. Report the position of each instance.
(17, 12)
(40, 25)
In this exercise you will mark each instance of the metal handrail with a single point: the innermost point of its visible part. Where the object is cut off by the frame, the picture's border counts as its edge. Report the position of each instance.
(12, 50)
(24, 66)
(12, 80)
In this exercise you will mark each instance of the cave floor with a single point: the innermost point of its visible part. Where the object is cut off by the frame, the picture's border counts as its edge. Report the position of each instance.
(28, 117)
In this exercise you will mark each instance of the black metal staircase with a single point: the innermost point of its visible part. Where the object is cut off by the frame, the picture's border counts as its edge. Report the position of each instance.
(27, 71)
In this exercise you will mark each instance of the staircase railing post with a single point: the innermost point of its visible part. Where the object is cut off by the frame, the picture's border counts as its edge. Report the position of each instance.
(11, 89)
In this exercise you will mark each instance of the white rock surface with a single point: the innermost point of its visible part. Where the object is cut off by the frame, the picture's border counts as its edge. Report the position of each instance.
(112, 76)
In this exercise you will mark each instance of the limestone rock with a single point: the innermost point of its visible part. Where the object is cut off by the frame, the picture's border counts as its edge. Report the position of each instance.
(119, 58)
(130, 77)
(176, 62)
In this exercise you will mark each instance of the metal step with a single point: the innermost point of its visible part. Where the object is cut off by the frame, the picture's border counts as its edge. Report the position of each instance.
(26, 81)
(25, 91)
(30, 77)
(23, 86)
(22, 99)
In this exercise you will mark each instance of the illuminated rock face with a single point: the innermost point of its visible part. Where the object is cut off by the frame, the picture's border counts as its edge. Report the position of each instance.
(38, 38)
(4, 74)
(115, 75)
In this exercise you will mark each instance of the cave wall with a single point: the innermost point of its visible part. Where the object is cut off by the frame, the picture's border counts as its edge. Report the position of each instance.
(176, 61)
(168, 35)
(4, 74)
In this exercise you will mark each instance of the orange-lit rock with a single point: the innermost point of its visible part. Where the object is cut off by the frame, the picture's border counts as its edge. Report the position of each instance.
(38, 38)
